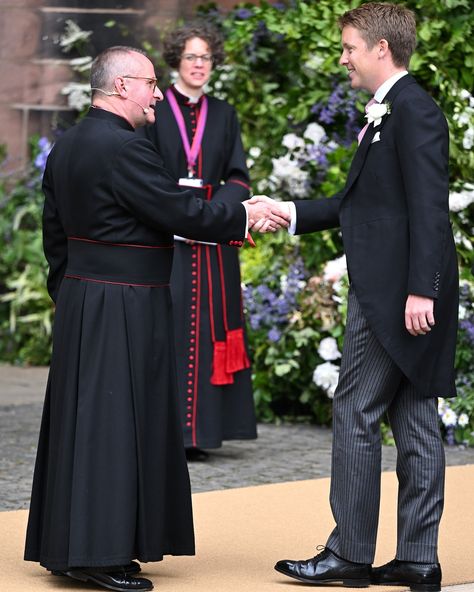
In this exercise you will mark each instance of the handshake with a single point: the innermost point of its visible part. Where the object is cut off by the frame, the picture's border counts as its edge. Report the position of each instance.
(266, 214)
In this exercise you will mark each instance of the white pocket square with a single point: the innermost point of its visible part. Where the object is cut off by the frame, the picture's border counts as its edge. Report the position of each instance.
(376, 138)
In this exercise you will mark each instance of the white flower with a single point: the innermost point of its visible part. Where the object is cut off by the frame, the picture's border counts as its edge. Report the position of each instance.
(376, 111)
(72, 36)
(328, 349)
(326, 376)
(78, 95)
(460, 200)
(314, 133)
(334, 270)
(293, 142)
(81, 64)
(468, 139)
(287, 173)
(449, 417)
(255, 152)
(463, 420)
(441, 405)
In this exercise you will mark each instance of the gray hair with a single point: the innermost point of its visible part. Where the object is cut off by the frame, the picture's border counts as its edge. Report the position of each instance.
(112, 62)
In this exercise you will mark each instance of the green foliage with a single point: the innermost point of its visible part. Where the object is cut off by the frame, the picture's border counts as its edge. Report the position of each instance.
(26, 310)
(299, 121)
(283, 76)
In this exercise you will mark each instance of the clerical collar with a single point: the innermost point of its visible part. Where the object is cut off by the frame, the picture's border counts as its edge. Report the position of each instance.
(190, 99)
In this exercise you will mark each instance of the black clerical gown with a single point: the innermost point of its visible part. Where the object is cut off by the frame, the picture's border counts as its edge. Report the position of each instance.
(216, 405)
(111, 482)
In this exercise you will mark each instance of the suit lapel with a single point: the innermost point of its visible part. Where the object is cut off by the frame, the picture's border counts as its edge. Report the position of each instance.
(363, 148)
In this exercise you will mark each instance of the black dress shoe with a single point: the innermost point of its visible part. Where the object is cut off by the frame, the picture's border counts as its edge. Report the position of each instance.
(113, 580)
(326, 568)
(131, 569)
(196, 455)
(421, 577)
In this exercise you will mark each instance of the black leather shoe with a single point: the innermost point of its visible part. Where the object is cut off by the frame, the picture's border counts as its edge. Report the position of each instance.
(196, 455)
(114, 580)
(327, 568)
(421, 577)
(131, 569)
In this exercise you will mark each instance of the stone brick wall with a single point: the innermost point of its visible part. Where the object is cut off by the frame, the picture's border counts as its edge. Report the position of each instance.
(33, 68)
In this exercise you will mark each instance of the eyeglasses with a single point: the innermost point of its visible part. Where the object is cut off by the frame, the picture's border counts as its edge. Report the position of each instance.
(151, 81)
(192, 57)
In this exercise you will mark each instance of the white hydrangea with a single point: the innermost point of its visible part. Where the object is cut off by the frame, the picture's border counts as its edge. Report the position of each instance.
(326, 376)
(459, 200)
(335, 270)
(468, 138)
(288, 174)
(463, 420)
(328, 349)
(314, 133)
(293, 143)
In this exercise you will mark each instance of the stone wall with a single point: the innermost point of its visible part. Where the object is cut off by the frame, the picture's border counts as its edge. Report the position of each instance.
(34, 69)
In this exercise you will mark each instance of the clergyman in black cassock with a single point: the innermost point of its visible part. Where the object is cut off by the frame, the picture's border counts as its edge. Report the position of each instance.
(111, 482)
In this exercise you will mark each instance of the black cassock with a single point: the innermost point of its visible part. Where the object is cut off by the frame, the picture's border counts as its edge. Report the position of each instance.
(111, 482)
(214, 380)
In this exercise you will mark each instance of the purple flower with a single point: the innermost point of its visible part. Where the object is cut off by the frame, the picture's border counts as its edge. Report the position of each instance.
(44, 146)
(468, 326)
(274, 335)
(243, 13)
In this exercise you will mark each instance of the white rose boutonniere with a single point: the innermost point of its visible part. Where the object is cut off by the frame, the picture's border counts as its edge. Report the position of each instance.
(376, 111)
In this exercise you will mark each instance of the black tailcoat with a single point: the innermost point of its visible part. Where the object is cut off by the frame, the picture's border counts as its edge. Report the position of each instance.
(210, 412)
(394, 216)
(111, 482)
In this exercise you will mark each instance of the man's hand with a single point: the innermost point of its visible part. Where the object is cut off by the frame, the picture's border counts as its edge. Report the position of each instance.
(267, 215)
(419, 317)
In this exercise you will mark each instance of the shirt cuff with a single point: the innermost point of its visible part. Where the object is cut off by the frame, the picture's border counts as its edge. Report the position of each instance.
(292, 226)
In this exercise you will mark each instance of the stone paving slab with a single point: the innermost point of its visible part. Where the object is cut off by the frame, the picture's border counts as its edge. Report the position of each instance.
(281, 453)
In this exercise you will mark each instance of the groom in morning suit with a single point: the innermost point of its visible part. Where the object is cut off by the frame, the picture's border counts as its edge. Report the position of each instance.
(400, 336)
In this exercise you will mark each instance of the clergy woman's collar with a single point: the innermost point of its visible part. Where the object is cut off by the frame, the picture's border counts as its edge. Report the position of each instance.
(183, 98)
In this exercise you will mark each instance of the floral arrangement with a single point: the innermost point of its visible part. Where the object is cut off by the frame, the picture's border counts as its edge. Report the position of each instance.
(300, 120)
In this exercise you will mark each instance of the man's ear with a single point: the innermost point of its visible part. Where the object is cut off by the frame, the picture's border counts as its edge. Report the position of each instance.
(383, 48)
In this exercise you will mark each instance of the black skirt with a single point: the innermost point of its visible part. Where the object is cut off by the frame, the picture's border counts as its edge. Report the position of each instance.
(111, 482)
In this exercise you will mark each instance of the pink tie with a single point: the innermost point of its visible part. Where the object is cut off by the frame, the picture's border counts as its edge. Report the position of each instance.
(364, 129)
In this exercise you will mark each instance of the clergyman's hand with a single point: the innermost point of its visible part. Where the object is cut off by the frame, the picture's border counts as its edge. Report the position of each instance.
(267, 215)
(419, 315)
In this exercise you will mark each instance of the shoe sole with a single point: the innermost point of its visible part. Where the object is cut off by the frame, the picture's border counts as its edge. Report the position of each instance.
(413, 586)
(129, 572)
(346, 582)
(88, 578)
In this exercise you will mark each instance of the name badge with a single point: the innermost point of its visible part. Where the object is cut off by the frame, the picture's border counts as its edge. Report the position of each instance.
(191, 182)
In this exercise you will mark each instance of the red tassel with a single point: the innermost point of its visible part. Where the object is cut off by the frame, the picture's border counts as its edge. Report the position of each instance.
(236, 355)
(220, 375)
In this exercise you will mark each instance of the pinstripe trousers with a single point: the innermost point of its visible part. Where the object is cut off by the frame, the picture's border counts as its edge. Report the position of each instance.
(370, 385)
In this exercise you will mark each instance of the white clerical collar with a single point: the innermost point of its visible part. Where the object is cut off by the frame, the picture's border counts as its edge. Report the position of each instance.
(183, 92)
(383, 89)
